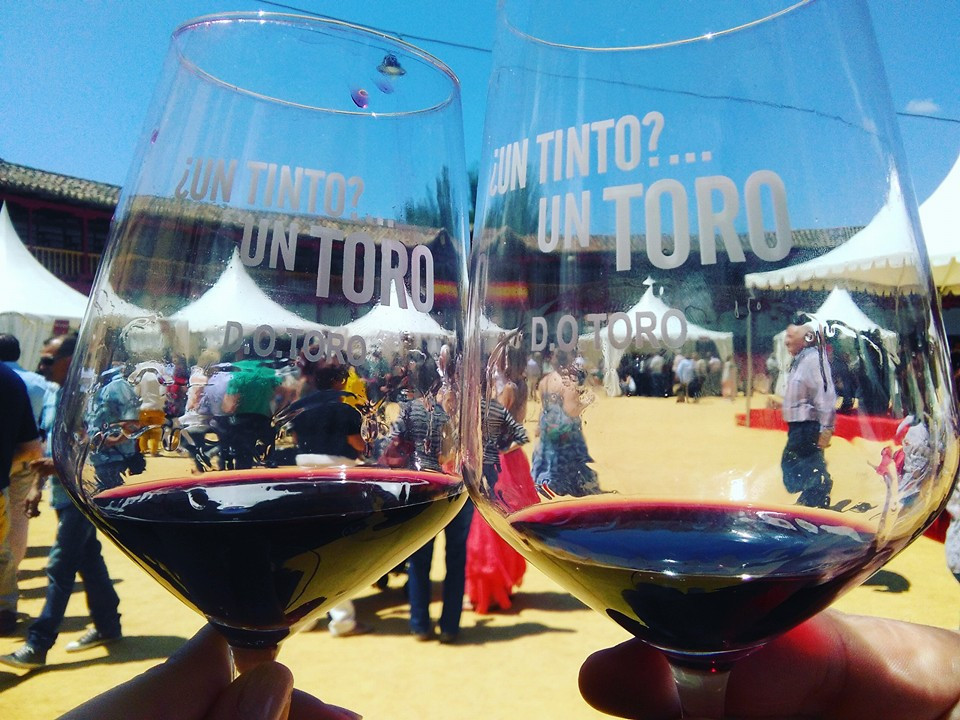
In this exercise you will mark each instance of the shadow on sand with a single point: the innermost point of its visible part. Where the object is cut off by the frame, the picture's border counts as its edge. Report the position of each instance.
(887, 581)
(130, 649)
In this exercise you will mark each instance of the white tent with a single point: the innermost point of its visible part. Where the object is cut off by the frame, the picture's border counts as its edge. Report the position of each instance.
(490, 333)
(143, 332)
(878, 258)
(649, 304)
(107, 303)
(489, 327)
(384, 325)
(236, 297)
(940, 218)
(32, 299)
(838, 306)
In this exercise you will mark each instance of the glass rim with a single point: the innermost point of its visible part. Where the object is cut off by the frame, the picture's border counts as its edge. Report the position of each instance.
(652, 46)
(292, 20)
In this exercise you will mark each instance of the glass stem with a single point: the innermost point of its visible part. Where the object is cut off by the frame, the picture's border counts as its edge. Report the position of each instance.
(702, 692)
(243, 659)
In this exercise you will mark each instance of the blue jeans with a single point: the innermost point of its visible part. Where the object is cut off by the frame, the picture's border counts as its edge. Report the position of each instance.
(418, 569)
(75, 550)
(804, 466)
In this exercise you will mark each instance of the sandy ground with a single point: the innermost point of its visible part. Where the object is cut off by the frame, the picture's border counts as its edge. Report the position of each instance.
(523, 663)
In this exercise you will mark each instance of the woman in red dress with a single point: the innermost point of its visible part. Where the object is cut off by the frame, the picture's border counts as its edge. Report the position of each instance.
(494, 569)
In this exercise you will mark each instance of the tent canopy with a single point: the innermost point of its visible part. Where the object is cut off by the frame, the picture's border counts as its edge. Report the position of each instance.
(879, 258)
(384, 325)
(940, 218)
(235, 292)
(838, 306)
(649, 303)
(32, 298)
(107, 303)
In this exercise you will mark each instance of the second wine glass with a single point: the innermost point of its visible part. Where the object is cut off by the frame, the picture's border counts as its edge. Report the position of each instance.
(283, 277)
(730, 435)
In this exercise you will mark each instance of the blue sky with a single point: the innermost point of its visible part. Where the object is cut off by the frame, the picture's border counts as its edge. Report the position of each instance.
(79, 75)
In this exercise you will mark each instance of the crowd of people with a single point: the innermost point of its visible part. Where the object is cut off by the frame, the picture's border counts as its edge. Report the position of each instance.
(224, 413)
(688, 377)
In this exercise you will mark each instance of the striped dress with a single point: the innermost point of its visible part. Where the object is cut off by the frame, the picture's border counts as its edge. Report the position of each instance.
(425, 429)
(499, 430)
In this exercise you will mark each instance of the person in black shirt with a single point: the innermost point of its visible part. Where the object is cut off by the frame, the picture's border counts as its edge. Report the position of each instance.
(323, 423)
(19, 445)
(326, 430)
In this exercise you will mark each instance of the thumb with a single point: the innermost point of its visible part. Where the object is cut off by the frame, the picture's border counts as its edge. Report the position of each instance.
(261, 693)
(265, 692)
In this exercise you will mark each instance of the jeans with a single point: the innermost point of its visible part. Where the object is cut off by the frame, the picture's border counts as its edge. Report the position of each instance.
(419, 587)
(804, 466)
(75, 550)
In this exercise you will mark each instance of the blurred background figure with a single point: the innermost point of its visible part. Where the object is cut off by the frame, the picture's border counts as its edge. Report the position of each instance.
(809, 409)
(19, 445)
(423, 425)
(21, 480)
(113, 420)
(730, 379)
(560, 458)
(75, 550)
(147, 379)
(247, 432)
(494, 569)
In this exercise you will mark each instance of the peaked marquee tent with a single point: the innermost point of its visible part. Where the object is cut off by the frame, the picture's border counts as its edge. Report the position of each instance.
(107, 302)
(32, 299)
(877, 259)
(880, 257)
(384, 324)
(235, 292)
(838, 306)
(940, 218)
(649, 303)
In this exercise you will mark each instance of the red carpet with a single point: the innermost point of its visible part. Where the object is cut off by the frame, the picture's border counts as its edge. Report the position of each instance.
(846, 427)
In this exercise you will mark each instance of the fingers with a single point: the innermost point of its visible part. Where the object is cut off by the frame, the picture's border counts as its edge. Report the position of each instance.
(851, 667)
(835, 666)
(307, 707)
(631, 680)
(262, 693)
(183, 687)
(194, 684)
(266, 692)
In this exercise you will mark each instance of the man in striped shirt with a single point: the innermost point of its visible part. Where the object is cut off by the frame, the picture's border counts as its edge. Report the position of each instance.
(809, 409)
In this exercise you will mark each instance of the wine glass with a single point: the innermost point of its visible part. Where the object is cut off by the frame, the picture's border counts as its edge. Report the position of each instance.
(669, 197)
(284, 269)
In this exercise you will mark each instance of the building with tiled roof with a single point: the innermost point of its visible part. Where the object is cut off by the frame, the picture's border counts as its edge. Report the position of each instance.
(64, 221)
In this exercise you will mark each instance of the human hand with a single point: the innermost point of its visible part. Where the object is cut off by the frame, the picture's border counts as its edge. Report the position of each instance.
(833, 667)
(31, 503)
(44, 466)
(823, 440)
(194, 684)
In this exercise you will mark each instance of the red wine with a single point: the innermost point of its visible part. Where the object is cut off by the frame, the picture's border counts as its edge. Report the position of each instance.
(255, 551)
(695, 579)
